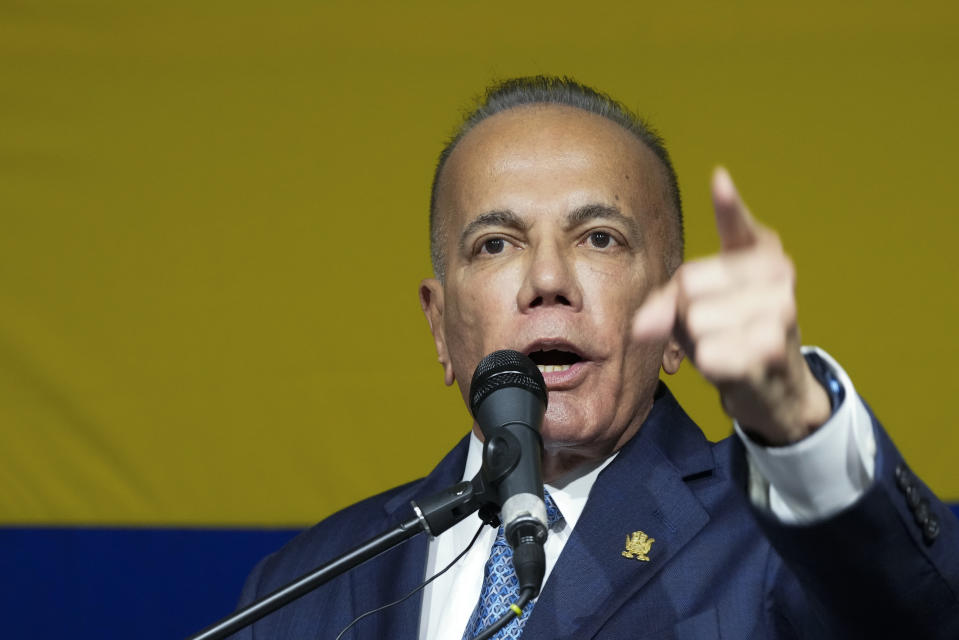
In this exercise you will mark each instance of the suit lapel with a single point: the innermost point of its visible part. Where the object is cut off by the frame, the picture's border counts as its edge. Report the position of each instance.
(394, 574)
(643, 489)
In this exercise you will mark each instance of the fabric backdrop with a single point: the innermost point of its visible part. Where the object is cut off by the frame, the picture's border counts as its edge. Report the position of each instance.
(214, 220)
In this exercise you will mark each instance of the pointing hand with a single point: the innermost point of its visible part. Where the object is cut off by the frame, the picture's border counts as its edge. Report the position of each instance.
(734, 313)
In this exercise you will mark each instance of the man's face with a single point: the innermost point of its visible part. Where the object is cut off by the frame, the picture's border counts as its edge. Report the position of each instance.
(554, 235)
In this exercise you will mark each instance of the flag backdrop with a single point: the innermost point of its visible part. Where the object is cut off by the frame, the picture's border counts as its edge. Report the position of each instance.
(214, 220)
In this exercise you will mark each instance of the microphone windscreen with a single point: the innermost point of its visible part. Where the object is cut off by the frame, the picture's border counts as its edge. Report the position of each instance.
(505, 368)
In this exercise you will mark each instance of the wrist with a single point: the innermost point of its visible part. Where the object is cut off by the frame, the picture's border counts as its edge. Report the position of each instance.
(816, 407)
(818, 396)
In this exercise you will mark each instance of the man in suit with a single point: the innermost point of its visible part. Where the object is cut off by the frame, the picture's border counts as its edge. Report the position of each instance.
(556, 230)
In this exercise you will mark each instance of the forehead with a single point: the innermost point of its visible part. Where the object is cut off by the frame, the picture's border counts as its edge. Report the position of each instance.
(548, 156)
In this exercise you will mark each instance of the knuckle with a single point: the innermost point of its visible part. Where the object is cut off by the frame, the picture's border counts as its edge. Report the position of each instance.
(689, 277)
(682, 274)
(718, 361)
(707, 362)
(788, 310)
(771, 238)
(697, 320)
(771, 344)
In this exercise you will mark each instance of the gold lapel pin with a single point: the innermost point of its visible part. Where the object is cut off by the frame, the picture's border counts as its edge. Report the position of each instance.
(637, 546)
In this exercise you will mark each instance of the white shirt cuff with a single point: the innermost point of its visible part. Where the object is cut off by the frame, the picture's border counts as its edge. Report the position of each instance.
(821, 474)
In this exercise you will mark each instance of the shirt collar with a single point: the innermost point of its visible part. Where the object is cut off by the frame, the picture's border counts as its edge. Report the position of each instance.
(569, 492)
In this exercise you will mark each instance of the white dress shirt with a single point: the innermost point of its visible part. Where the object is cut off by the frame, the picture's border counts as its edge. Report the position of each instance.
(821, 474)
(809, 480)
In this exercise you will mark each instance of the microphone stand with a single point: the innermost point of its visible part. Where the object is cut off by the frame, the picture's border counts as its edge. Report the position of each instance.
(434, 514)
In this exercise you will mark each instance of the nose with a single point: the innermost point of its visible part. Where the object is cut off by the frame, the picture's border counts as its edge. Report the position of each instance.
(550, 279)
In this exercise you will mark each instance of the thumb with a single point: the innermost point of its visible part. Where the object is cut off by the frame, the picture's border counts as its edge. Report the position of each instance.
(736, 226)
(655, 318)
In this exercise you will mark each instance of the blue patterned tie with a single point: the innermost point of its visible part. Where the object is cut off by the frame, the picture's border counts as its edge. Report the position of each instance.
(501, 586)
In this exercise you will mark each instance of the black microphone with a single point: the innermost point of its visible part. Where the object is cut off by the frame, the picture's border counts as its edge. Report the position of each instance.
(508, 400)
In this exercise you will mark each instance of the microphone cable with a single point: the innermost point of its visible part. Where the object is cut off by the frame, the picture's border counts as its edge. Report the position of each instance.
(423, 586)
(515, 610)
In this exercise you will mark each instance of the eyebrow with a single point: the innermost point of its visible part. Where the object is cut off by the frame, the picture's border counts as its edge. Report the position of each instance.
(497, 218)
(597, 211)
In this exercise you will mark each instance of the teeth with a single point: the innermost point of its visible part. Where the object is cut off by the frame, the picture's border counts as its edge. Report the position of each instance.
(549, 368)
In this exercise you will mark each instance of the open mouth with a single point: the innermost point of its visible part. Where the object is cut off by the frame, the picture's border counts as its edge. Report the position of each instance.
(552, 360)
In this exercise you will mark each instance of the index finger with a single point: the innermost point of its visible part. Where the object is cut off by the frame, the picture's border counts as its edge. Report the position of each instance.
(736, 226)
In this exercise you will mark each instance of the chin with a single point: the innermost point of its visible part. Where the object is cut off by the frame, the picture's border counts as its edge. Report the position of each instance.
(564, 427)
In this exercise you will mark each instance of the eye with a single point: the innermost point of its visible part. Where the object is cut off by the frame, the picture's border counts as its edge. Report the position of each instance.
(601, 240)
(493, 246)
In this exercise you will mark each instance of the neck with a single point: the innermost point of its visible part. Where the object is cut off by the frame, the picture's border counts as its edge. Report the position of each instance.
(565, 461)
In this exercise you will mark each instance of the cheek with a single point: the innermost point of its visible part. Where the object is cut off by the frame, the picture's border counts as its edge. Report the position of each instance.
(474, 325)
(471, 312)
(614, 295)
(483, 305)
(461, 330)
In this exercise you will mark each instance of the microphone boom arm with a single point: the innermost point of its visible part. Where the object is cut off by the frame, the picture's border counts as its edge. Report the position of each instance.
(434, 515)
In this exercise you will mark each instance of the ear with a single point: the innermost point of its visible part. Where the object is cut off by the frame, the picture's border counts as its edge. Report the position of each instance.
(431, 301)
(673, 356)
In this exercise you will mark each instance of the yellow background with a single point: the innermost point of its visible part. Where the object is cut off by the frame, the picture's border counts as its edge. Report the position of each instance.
(214, 220)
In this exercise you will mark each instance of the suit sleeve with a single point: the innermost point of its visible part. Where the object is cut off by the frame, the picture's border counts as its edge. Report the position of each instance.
(885, 566)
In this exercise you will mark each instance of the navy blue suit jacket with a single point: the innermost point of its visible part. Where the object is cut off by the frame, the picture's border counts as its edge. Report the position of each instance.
(718, 569)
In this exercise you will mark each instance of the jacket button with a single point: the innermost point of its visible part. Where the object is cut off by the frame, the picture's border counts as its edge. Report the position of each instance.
(902, 476)
(912, 495)
(930, 530)
(921, 513)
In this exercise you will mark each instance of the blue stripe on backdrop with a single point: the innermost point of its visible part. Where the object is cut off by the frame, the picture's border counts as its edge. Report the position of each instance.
(124, 583)
(149, 584)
